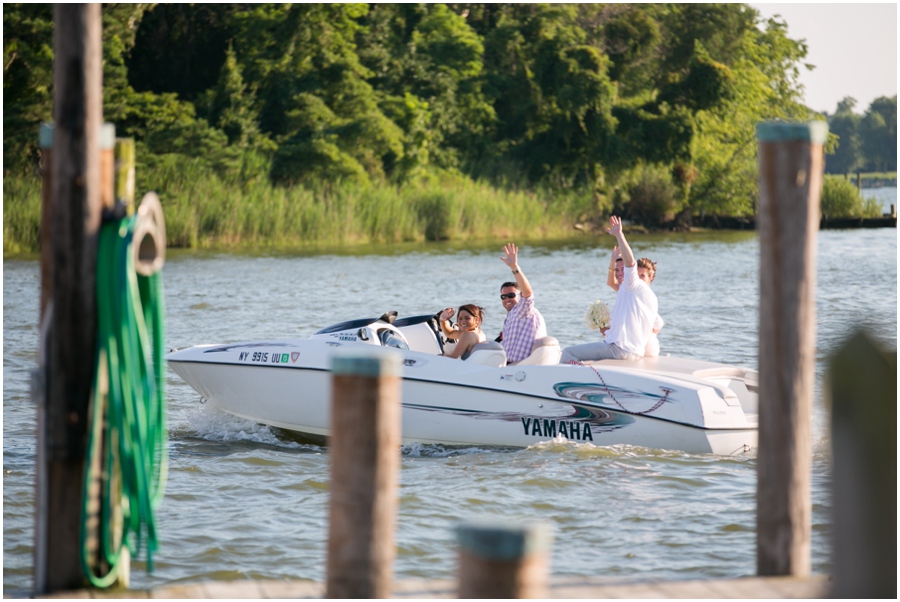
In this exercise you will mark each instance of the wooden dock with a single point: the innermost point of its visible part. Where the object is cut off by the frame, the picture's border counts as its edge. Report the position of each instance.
(814, 586)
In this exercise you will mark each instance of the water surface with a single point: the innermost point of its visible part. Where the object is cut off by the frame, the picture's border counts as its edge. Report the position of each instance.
(246, 501)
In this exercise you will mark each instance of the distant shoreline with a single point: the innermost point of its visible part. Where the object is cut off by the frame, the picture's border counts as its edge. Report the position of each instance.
(878, 183)
(714, 222)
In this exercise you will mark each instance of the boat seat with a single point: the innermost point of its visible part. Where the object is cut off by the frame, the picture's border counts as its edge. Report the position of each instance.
(544, 352)
(489, 353)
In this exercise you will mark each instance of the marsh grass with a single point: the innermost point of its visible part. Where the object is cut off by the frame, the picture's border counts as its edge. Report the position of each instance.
(21, 215)
(204, 211)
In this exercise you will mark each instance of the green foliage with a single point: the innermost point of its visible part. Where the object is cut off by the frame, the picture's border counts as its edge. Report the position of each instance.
(871, 207)
(766, 87)
(655, 134)
(708, 83)
(629, 39)
(845, 124)
(651, 195)
(202, 210)
(27, 81)
(591, 104)
(21, 214)
(552, 96)
(180, 48)
(879, 134)
(429, 53)
(230, 106)
(841, 198)
(867, 142)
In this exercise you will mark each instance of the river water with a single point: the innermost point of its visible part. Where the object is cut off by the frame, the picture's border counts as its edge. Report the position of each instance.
(248, 502)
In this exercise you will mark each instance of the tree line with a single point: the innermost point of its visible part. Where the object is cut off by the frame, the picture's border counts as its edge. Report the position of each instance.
(868, 142)
(645, 109)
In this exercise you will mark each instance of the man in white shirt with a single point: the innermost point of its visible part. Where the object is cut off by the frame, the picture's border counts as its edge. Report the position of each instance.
(633, 315)
(614, 279)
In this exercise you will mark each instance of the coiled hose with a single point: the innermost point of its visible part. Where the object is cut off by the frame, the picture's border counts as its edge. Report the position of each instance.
(128, 445)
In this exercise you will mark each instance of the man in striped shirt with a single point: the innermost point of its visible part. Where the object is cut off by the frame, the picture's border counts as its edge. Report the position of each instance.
(523, 322)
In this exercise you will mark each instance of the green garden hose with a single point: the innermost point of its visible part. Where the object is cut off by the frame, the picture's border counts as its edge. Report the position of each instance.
(128, 444)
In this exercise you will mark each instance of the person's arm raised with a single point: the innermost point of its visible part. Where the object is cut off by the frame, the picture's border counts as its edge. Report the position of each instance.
(615, 228)
(444, 322)
(511, 259)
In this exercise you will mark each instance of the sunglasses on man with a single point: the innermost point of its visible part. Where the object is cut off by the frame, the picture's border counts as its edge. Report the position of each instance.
(508, 296)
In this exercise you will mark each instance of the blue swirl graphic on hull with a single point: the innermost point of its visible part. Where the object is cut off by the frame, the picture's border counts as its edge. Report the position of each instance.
(606, 395)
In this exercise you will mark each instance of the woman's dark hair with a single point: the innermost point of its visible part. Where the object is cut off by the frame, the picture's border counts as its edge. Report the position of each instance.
(476, 310)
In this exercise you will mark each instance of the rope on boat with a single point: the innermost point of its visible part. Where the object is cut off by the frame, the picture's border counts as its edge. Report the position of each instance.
(127, 456)
(609, 392)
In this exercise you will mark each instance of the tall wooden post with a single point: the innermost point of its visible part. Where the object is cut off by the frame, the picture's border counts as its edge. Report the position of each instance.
(504, 561)
(863, 394)
(45, 141)
(75, 222)
(790, 181)
(107, 166)
(124, 186)
(365, 464)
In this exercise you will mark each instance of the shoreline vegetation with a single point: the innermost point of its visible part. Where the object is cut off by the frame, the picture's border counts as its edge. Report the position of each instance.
(205, 212)
(273, 125)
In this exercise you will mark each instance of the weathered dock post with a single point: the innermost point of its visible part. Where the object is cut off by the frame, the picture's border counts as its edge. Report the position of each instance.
(862, 388)
(124, 166)
(365, 463)
(790, 181)
(107, 186)
(68, 357)
(45, 141)
(504, 561)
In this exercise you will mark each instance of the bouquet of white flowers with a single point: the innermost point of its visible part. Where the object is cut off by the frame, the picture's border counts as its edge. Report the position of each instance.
(597, 315)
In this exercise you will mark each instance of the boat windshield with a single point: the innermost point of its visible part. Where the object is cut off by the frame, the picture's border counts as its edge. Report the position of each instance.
(349, 325)
(389, 338)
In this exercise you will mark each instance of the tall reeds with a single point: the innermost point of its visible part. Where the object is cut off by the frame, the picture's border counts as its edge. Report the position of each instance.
(21, 215)
(203, 210)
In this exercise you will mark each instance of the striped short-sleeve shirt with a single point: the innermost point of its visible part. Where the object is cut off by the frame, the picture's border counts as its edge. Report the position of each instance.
(523, 325)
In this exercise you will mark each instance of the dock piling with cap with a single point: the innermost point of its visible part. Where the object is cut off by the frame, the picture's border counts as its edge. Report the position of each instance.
(862, 390)
(68, 300)
(791, 162)
(365, 464)
(504, 560)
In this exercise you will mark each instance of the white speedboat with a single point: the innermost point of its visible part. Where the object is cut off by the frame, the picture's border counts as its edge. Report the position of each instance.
(664, 402)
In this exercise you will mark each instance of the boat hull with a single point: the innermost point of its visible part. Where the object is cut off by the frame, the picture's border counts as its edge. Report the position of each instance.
(451, 402)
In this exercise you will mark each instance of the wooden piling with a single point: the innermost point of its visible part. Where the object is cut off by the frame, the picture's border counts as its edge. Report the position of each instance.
(45, 141)
(124, 180)
(365, 462)
(504, 560)
(790, 182)
(107, 165)
(108, 183)
(862, 387)
(70, 351)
